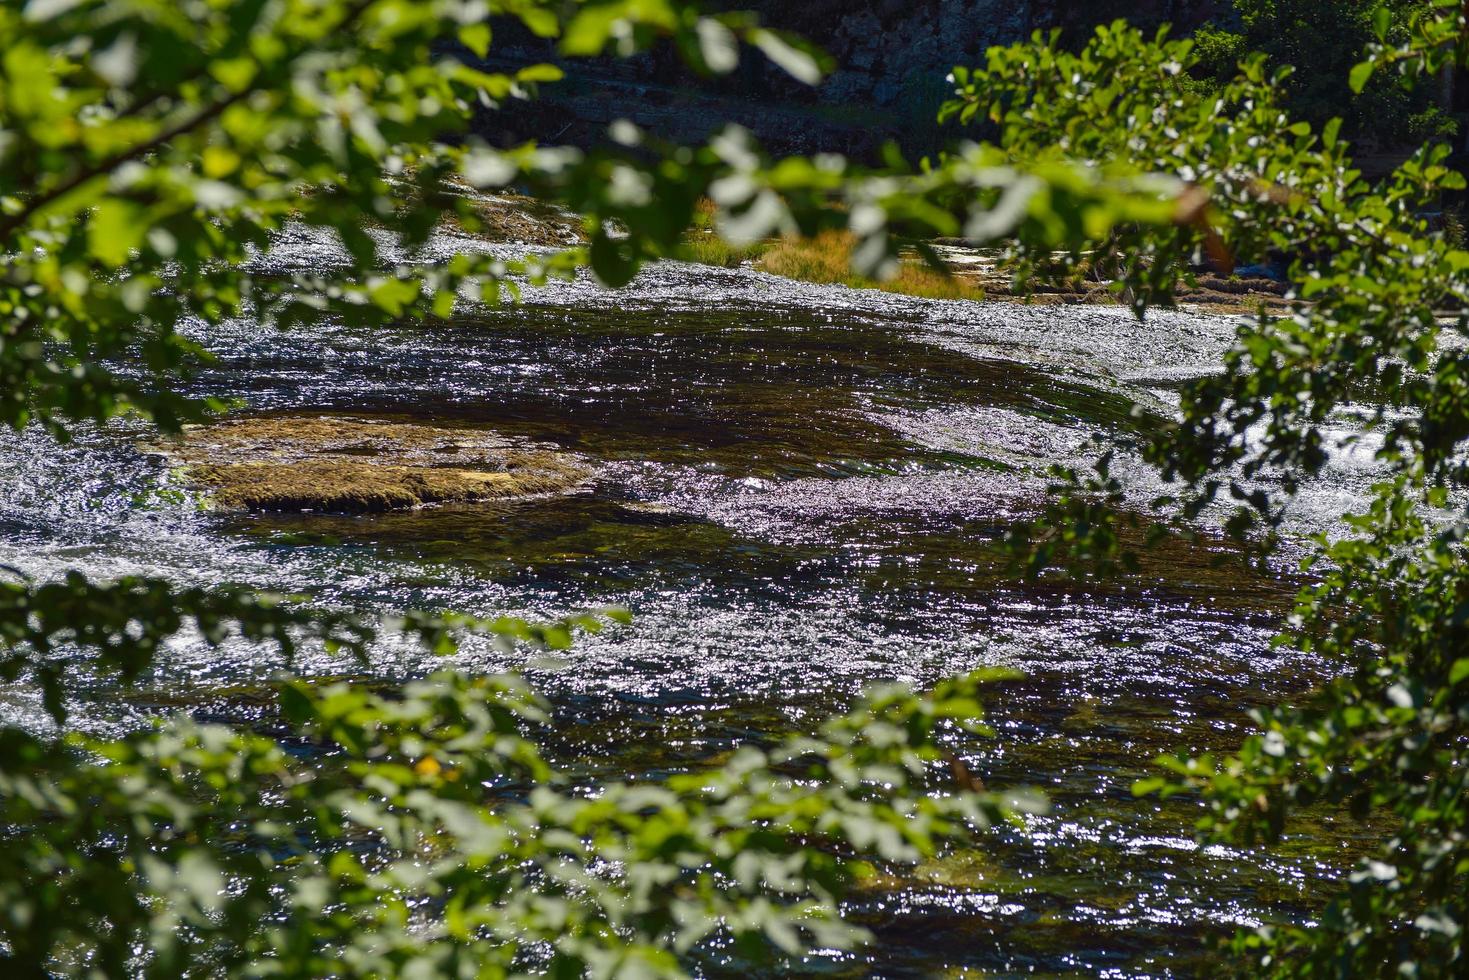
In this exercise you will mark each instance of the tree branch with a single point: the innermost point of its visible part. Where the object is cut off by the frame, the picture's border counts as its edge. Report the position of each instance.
(18, 220)
(13, 223)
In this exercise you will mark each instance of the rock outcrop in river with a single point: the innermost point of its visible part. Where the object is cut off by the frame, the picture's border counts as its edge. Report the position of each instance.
(349, 465)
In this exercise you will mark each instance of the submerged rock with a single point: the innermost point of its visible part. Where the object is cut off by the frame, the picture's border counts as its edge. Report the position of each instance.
(353, 465)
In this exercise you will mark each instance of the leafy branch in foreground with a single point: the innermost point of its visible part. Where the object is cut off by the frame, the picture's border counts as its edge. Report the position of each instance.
(54, 632)
(1386, 739)
(421, 830)
(420, 827)
(1365, 344)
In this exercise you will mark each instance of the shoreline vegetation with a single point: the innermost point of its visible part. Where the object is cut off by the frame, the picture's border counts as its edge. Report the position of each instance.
(972, 274)
(825, 259)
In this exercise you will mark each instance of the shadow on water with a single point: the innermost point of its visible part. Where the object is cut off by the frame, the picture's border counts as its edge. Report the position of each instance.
(793, 502)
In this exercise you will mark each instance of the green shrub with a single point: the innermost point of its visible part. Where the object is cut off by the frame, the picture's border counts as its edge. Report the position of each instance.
(1389, 602)
(426, 834)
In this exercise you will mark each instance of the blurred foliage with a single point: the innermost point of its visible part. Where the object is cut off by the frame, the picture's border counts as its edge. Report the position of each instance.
(421, 832)
(1375, 338)
(146, 145)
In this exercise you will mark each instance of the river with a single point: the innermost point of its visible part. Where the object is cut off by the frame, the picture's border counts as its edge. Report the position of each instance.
(800, 490)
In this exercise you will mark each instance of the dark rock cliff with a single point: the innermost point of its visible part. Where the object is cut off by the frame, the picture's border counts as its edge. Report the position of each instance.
(892, 56)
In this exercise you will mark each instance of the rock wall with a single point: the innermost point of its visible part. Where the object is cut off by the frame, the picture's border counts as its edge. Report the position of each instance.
(892, 56)
(886, 47)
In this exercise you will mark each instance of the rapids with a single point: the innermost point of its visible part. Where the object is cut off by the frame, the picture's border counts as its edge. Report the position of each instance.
(800, 489)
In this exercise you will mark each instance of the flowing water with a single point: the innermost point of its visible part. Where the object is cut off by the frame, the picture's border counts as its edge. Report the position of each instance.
(800, 490)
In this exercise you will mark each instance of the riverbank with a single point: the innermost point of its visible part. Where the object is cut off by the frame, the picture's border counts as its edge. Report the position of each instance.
(966, 272)
(972, 273)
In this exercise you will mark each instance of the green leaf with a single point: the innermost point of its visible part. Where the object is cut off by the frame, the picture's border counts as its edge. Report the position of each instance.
(589, 32)
(800, 65)
(717, 45)
(1360, 75)
(1330, 132)
(476, 37)
(610, 261)
(542, 22)
(1458, 671)
(234, 73)
(540, 73)
(295, 704)
(115, 229)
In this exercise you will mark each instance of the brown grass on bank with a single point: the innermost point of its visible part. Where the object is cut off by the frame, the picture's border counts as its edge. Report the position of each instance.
(703, 247)
(827, 258)
(707, 248)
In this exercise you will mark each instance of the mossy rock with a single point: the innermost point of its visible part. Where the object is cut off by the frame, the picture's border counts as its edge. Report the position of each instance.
(343, 465)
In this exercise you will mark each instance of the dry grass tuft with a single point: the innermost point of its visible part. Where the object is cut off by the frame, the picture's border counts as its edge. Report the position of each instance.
(702, 246)
(827, 258)
(706, 248)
